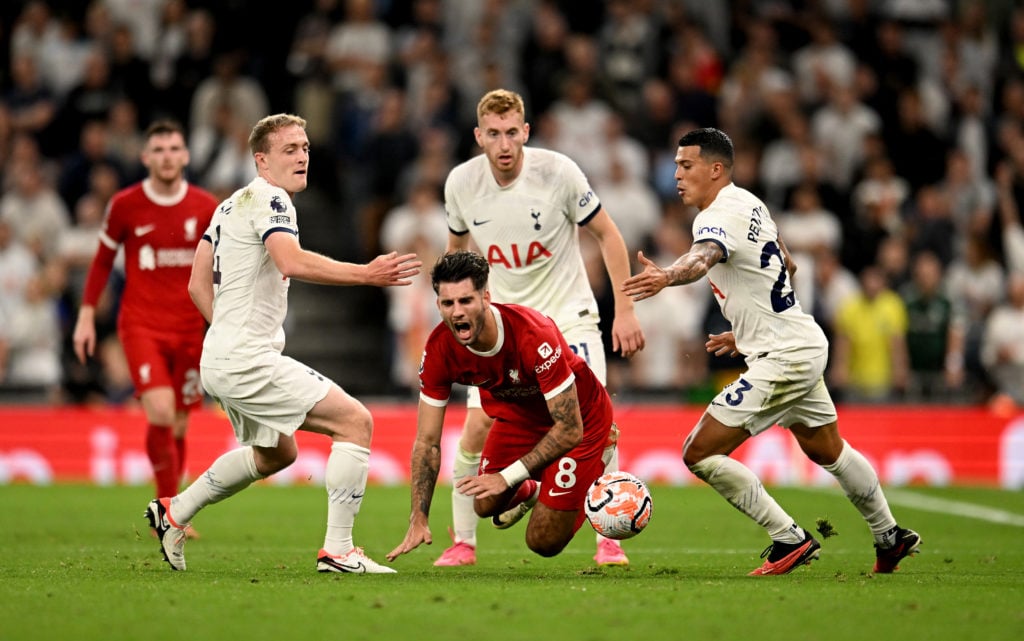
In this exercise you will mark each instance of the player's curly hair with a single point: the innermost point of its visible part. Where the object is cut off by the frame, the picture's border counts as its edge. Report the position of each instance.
(500, 101)
(714, 144)
(260, 135)
(458, 266)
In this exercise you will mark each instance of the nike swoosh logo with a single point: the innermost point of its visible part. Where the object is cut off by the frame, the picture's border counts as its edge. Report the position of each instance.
(481, 222)
(554, 493)
(483, 382)
(145, 229)
(356, 568)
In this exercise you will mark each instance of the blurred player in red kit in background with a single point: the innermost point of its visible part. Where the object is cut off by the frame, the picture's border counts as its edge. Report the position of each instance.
(159, 222)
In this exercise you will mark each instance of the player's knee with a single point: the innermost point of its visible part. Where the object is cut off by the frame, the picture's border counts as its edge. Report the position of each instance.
(545, 546)
(706, 467)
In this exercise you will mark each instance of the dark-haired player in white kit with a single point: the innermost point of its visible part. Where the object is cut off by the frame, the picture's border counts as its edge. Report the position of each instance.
(239, 282)
(737, 246)
(524, 207)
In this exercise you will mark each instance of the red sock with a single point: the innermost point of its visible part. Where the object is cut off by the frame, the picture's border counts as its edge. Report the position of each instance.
(179, 442)
(164, 459)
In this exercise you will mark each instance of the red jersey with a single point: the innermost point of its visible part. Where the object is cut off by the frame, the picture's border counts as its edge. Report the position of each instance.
(159, 235)
(530, 364)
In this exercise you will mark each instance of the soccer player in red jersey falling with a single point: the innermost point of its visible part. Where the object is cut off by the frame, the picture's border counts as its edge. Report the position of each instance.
(159, 222)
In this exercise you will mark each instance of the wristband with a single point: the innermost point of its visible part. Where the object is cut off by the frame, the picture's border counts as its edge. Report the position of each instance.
(515, 473)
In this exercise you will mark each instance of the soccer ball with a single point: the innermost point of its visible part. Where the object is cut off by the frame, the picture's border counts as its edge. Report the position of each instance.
(618, 505)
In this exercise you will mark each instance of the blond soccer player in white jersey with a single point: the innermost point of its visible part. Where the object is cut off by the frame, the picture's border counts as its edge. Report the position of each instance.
(523, 208)
(240, 277)
(737, 247)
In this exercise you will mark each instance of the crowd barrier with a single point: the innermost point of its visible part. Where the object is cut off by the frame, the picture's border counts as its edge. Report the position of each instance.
(934, 446)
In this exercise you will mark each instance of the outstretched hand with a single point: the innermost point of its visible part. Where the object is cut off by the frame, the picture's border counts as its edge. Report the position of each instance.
(392, 269)
(647, 283)
(418, 532)
(721, 344)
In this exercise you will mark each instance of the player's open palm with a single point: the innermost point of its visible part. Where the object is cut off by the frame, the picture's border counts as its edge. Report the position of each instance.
(647, 283)
(392, 269)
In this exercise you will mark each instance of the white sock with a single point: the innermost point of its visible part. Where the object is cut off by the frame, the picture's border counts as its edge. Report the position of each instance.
(464, 518)
(611, 464)
(345, 479)
(741, 487)
(860, 482)
(231, 473)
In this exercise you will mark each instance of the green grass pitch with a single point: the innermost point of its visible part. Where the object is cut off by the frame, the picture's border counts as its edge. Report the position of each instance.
(78, 563)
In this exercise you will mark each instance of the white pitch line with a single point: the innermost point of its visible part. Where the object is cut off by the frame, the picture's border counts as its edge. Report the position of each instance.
(957, 508)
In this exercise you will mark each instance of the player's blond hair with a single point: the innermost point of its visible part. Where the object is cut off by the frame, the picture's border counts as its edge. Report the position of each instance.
(500, 101)
(260, 135)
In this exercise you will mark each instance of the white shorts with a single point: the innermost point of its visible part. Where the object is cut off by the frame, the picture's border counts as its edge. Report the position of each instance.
(266, 401)
(774, 391)
(584, 340)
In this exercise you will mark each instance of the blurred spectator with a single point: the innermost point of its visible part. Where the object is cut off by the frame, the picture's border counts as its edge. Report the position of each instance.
(674, 356)
(124, 138)
(389, 149)
(839, 129)
(35, 211)
(870, 353)
(1010, 219)
(632, 204)
(355, 43)
(168, 44)
(191, 67)
(30, 105)
(918, 154)
(129, 72)
(221, 161)
(544, 55)
(34, 335)
(77, 167)
(90, 100)
(878, 200)
(975, 282)
(245, 96)
(935, 335)
(627, 45)
(893, 259)
(417, 225)
(806, 226)
(18, 265)
(833, 285)
(930, 224)
(579, 118)
(822, 64)
(970, 199)
(1002, 349)
(308, 65)
(781, 168)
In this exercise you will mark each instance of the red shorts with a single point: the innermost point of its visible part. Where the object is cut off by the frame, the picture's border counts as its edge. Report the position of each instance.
(565, 482)
(165, 360)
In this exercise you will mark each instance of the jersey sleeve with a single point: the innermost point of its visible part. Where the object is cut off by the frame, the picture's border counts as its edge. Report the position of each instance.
(581, 201)
(111, 236)
(452, 209)
(711, 227)
(274, 212)
(435, 381)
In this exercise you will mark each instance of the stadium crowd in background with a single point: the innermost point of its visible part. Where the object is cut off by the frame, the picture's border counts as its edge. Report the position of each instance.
(883, 131)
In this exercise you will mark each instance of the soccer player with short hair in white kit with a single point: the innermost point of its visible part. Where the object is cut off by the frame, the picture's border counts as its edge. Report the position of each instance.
(737, 246)
(239, 282)
(523, 208)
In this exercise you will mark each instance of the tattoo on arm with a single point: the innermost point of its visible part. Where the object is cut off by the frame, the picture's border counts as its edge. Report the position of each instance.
(426, 463)
(694, 264)
(565, 434)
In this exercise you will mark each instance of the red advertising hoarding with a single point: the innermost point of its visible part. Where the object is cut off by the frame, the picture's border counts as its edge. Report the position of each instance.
(907, 445)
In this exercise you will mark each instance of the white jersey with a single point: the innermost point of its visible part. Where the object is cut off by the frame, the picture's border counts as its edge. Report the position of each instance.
(751, 282)
(250, 294)
(528, 232)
